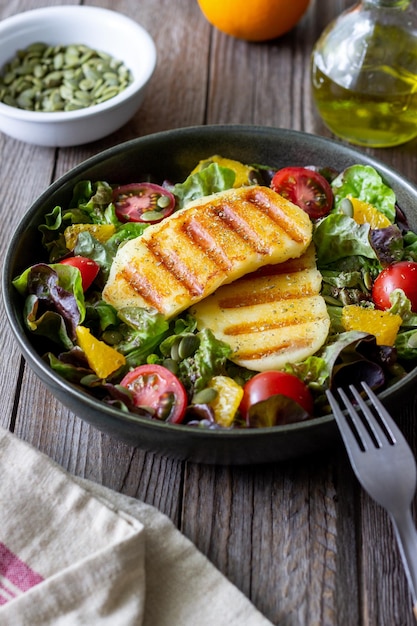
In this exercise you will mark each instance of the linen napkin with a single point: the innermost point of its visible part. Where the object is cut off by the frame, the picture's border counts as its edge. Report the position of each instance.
(73, 552)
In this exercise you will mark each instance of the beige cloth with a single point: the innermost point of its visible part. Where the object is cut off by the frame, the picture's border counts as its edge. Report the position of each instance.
(73, 552)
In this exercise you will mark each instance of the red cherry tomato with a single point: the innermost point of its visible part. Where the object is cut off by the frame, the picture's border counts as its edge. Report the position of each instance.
(88, 269)
(156, 388)
(267, 384)
(402, 275)
(143, 202)
(306, 188)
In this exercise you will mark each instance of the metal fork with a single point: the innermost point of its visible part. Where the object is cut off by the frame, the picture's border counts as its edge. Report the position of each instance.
(384, 465)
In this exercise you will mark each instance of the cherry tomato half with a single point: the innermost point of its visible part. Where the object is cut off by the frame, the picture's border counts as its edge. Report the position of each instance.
(88, 268)
(306, 188)
(156, 388)
(402, 275)
(143, 202)
(267, 384)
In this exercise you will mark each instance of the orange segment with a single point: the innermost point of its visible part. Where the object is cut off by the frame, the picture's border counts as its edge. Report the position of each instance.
(365, 213)
(103, 359)
(227, 401)
(382, 324)
(254, 20)
(102, 232)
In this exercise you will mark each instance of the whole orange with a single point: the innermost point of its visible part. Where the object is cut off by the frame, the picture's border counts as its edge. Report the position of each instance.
(254, 20)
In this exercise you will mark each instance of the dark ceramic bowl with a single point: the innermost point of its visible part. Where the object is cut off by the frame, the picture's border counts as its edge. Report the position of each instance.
(172, 155)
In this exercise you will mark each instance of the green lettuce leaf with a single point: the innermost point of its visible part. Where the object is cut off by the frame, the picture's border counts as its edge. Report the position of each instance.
(401, 305)
(406, 345)
(54, 301)
(410, 246)
(142, 332)
(338, 236)
(209, 180)
(209, 360)
(49, 324)
(364, 182)
(314, 370)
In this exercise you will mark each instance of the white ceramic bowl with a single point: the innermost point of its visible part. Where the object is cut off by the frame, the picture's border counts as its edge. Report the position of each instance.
(100, 29)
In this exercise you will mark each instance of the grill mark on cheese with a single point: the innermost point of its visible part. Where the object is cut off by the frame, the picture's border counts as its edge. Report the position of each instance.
(199, 236)
(139, 283)
(260, 198)
(229, 218)
(271, 294)
(176, 267)
(261, 325)
(287, 267)
(280, 348)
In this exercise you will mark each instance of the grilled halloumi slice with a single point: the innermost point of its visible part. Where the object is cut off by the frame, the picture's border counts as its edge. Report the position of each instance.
(269, 318)
(212, 241)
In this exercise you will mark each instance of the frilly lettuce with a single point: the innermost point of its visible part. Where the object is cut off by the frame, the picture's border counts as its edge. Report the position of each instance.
(210, 179)
(364, 182)
(91, 203)
(338, 236)
(54, 301)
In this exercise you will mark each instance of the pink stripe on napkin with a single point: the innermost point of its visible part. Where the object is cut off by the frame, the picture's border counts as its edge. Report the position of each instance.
(15, 575)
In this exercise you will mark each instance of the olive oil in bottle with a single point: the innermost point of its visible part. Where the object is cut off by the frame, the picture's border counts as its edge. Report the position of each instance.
(364, 73)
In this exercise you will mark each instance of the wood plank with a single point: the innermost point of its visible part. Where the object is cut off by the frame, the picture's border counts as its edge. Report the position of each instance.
(289, 516)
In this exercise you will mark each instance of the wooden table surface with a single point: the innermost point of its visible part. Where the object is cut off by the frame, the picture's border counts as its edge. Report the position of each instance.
(299, 538)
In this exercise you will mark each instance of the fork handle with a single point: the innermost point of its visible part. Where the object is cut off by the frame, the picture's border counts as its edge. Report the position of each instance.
(407, 541)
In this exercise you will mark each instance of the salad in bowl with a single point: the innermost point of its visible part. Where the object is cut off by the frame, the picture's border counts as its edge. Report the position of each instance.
(183, 366)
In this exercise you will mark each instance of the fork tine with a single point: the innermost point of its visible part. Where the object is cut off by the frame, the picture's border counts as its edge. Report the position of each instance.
(348, 436)
(392, 431)
(369, 420)
(363, 436)
(370, 429)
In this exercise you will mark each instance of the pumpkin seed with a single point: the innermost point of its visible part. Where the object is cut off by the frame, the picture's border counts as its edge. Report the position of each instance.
(112, 337)
(188, 345)
(108, 93)
(8, 78)
(25, 98)
(86, 84)
(166, 403)
(346, 207)
(174, 349)
(163, 202)
(171, 365)
(331, 300)
(22, 84)
(59, 60)
(72, 106)
(99, 87)
(66, 92)
(367, 279)
(91, 72)
(205, 396)
(55, 78)
(147, 216)
(9, 100)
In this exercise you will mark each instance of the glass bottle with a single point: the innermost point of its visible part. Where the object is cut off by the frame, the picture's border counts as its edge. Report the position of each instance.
(364, 73)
